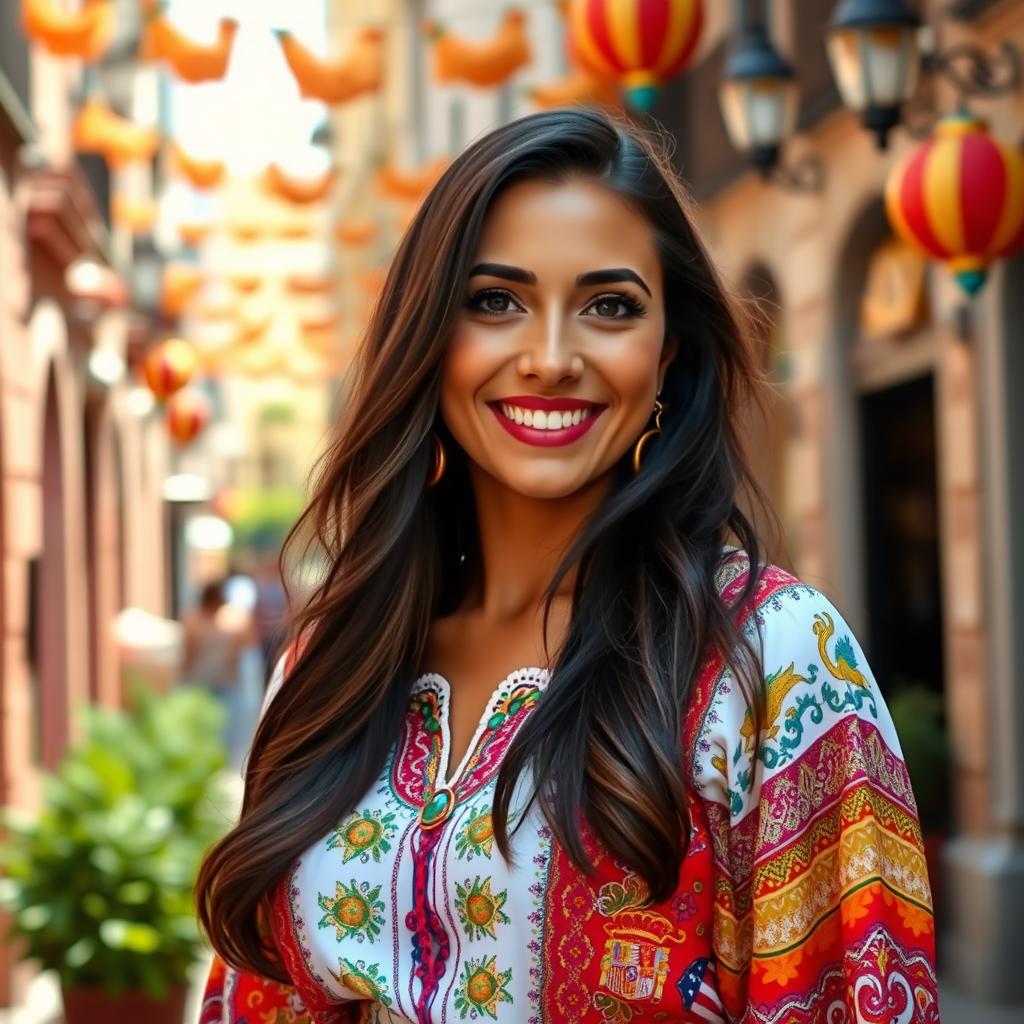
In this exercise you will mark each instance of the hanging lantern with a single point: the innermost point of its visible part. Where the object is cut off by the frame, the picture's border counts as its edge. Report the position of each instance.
(758, 96)
(480, 62)
(191, 61)
(97, 129)
(188, 411)
(85, 34)
(203, 174)
(359, 71)
(169, 367)
(641, 43)
(872, 47)
(960, 198)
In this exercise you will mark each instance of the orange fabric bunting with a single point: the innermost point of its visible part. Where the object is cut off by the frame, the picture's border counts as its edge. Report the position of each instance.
(359, 71)
(246, 282)
(578, 87)
(191, 61)
(355, 232)
(203, 174)
(181, 281)
(97, 129)
(138, 215)
(193, 233)
(310, 284)
(481, 62)
(299, 190)
(85, 33)
(409, 184)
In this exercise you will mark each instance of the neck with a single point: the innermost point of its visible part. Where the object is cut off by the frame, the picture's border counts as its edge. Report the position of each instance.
(522, 542)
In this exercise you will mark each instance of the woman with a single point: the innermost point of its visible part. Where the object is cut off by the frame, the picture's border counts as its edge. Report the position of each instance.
(690, 804)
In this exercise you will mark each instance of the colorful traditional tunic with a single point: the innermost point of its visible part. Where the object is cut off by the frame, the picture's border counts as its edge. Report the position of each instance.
(803, 896)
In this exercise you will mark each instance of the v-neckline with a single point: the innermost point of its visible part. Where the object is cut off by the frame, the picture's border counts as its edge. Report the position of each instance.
(446, 778)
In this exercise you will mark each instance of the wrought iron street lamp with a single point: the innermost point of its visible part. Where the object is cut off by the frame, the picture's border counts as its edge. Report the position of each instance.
(759, 99)
(875, 58)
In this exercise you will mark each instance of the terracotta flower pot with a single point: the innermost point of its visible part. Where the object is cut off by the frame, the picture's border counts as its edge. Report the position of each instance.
(94, 1006)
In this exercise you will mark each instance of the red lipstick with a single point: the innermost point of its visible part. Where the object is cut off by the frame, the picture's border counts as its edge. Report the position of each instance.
(534, 405)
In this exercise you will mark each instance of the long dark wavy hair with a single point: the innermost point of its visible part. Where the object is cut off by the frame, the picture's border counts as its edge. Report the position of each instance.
(645, 608)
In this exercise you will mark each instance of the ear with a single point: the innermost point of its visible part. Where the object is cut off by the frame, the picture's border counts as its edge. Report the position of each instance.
(668, 352)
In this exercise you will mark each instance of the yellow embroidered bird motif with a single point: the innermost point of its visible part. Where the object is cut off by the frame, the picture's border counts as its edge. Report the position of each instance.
(845, 665)
(777, 686)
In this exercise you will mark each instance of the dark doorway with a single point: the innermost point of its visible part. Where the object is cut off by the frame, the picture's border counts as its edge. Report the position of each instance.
(901, 517)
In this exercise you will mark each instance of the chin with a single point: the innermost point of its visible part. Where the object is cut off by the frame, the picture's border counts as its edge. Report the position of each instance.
(546, 485)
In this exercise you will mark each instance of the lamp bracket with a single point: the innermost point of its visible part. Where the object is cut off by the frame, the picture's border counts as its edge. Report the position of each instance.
(975, 72)
(803, 175)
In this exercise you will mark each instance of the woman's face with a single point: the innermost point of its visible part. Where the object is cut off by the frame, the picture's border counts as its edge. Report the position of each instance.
(558, 352)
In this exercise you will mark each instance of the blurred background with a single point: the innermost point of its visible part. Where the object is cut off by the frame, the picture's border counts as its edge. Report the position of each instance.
(198, 202)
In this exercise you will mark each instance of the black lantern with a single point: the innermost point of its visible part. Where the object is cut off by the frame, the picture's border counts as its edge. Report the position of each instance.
(875, 58)
(758, 97)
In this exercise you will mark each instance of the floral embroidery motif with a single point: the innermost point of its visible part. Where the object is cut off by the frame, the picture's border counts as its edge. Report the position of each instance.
(366, 981)
(481, 987)
(480, 909)
(355, 911)
(364, 835)
(476, 837)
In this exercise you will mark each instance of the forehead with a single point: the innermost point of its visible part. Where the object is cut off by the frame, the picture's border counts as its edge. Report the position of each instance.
(561, 230)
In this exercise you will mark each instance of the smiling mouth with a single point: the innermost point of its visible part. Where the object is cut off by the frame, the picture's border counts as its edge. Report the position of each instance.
(546, 422)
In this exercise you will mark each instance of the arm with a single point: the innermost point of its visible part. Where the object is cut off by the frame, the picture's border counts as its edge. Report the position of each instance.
(823, 907)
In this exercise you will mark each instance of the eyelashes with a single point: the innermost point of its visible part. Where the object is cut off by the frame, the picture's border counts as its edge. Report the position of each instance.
(633, 307)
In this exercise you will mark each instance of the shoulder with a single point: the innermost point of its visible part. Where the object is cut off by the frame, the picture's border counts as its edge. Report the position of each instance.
(816, 690)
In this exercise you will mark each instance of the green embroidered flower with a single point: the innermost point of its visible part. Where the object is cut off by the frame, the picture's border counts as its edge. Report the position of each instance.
(481, 987)
(476, 837)
(354, 912)
(480, 909)
(364, 835)
(366, 981)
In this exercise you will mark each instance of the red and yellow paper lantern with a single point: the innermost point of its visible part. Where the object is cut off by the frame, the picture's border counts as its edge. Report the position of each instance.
(640, 43)
(169, 367)
(960, 198)
(188, 411)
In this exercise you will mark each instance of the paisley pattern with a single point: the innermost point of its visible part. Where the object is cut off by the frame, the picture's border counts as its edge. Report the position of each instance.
(803, 896)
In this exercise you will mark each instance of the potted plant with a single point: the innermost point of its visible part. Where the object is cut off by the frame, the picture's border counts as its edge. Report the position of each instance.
(99, 883)
(918, 714)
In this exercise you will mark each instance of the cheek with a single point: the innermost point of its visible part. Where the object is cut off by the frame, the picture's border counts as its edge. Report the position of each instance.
(469, 363)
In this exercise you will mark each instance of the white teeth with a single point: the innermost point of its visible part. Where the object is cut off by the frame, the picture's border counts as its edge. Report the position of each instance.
(540, 420)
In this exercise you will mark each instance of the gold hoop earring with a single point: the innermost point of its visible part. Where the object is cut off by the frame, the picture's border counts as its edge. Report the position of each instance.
(638, 448)
(440, 462)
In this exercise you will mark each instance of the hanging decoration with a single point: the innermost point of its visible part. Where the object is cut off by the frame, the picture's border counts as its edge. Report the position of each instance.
(294, 227)
(578, 87)
(960, 198)
(247, 283)
(181, 281)
(137, 215)
(641, 43)
(484, 62)
(85, 33)
(245, 229)
(169, 367)
(299, 190)
(311, 284)
(188, 412)
(98, 129)
(399, 184)
(335, 81)
(355, 233)
(190, 61)
(193, 233)
(202, 174)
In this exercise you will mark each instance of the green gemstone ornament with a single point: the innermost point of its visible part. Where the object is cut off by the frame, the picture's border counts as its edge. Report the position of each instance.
(438, 808)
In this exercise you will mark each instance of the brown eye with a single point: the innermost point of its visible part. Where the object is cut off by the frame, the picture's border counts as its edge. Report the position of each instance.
(482, 302)
(610, 303)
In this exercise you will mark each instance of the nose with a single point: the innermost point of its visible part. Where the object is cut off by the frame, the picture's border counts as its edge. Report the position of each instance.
(549, 356)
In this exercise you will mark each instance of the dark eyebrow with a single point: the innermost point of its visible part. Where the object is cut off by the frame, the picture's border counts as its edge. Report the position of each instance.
(592, 277)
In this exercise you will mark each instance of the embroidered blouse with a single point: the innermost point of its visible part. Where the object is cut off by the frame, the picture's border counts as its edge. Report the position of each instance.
(803, 896)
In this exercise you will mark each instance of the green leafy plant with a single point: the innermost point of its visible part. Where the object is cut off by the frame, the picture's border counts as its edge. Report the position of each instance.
(919, 716)
(99, 883)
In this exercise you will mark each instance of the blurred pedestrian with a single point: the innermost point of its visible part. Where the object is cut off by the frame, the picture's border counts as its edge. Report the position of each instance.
(270, 610)
(215, 635)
